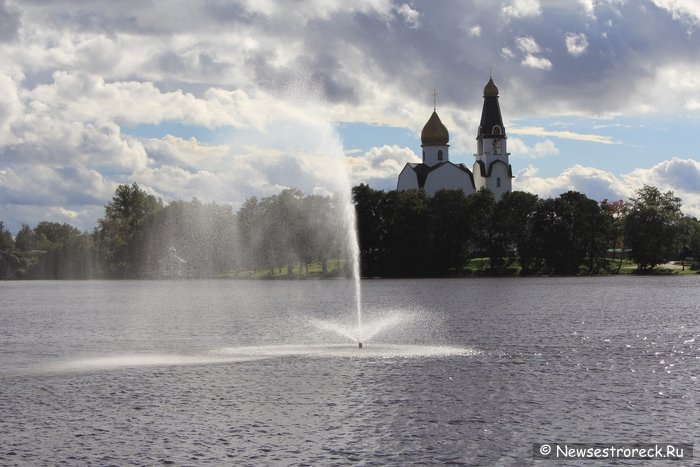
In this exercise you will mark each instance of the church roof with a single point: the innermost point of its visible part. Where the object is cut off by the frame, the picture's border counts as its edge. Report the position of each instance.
(491, 113)
(423, 170)
(434, 132)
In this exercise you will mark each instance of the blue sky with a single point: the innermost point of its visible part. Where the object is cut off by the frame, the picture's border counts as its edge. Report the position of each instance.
(222, 100)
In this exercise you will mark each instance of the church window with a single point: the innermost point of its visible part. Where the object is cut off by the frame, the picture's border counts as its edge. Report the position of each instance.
(498, 182)
(496, 146)
(440, 155)
(496, 130)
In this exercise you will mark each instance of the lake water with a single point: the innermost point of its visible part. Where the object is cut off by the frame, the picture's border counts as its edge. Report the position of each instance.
(234, 372)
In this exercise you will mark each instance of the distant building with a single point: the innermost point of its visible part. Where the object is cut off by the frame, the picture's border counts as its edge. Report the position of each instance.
(491, 168)
(171, 265)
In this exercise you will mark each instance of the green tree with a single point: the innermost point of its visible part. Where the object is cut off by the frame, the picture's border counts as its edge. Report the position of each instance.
(513, 219)
(448, 216)
(652, 226)
(615, 210)
(406, 241)
(249, 217)
(484, 241)
(372, 227)
(117, 230)
(9, 259)
(689, 240)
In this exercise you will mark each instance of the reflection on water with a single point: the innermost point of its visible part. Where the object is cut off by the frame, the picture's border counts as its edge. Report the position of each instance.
(225, 372)
(249, 353)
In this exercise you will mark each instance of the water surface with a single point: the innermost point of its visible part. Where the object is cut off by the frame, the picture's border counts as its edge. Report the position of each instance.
(235, 372)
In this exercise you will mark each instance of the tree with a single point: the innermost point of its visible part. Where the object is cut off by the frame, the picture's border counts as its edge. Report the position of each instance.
(9, 260)
(592, 231)
(616, 210)
(406, 241)
(448, 217)
(117, 230)
(652, 226)
(480, 212)
(371, 227)
(513, 219)
(689, 240)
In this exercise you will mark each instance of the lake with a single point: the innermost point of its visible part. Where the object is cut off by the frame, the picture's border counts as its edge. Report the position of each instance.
(466, 371)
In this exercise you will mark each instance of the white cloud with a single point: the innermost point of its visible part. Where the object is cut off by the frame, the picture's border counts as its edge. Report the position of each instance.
(692, 104)
(75, 75)
(507, 53)
(519, 149)
(522, 8)
(685, 10)
(410, 16)
(527, 44)
(540, 63)
(682, 176)
(564, 134)
(576, 44)
(529, 47)
(380, 166)
(588, 7)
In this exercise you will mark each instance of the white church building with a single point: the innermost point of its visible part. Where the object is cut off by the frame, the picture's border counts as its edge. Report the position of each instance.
(491, 168)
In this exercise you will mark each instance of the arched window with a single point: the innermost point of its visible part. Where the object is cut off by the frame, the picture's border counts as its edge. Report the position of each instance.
(498, 182)
(496, 130)
(440, 155)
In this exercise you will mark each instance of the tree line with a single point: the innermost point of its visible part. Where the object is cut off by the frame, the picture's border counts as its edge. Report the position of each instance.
(401, 233)
(137, 230)
(408, 233)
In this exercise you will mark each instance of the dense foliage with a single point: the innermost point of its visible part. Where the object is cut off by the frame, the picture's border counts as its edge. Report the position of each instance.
(407, 233)
(401, 233)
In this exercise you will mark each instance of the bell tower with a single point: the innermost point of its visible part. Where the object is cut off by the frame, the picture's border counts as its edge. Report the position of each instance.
(492, 168)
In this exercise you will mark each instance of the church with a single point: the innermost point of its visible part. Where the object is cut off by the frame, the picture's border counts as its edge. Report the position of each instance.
(491, 168)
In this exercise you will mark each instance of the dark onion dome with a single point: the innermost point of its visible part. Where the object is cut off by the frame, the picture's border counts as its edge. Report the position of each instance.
(491, 125)
(490, 90)
(434, 132)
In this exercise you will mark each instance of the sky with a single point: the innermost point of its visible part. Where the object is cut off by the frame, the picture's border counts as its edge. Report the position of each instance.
(221, 100)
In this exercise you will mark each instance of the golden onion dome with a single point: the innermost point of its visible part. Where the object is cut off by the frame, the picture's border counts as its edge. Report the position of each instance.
(490, 90)
(434, 132)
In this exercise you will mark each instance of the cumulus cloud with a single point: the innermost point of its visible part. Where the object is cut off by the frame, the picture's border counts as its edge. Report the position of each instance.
(527, 44)
(685, 10)
(595, 183)
(530, 47)
(76, 76)
(507, 53)
(410, 16)
(380, 166)
(522, 8)
(519, 149)
(576, 44)
(540, 63)
(682, 176)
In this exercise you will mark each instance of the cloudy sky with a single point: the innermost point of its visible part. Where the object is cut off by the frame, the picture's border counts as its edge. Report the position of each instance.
(222, 100)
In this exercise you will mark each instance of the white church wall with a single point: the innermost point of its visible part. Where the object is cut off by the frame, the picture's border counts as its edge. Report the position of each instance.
(448, 176)
(407, 179)
(433, 155)
(499, 182)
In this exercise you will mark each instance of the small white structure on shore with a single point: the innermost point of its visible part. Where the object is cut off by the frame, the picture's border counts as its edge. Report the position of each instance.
(171, 265)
